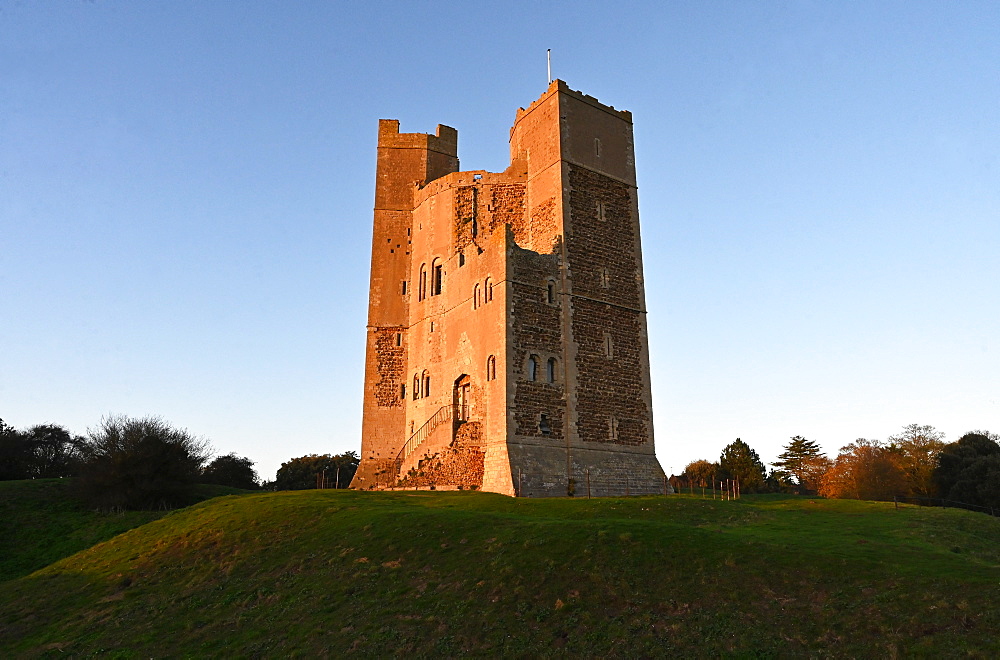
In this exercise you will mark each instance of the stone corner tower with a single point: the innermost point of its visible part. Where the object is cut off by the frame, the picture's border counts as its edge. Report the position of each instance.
(507, 346)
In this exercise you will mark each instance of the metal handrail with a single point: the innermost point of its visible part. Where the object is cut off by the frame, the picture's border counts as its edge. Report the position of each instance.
(443, 414)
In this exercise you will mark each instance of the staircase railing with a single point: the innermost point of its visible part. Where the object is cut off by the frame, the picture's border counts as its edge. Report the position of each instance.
(443, 414)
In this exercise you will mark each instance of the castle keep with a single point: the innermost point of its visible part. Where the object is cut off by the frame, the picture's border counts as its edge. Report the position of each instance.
(507, 346)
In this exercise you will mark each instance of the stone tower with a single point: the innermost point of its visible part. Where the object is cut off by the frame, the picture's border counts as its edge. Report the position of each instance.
(507, 346)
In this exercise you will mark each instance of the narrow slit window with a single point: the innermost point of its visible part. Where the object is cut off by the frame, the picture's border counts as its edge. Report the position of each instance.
(461, 259)
(399, 339)
(488, 290)
(550, 370)
(550, 292)
(602, 211)
(476, 293)
(533, 367)
(416, 387)
(597, 147)
(402, 390)
(613, 428)
(437, 277)
(427, 384)
(609, 348)
(605, 279)
(404, 287)
(422, 283)
(491, 368)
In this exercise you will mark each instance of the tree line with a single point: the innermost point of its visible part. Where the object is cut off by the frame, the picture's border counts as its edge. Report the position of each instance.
(915, 463)
(146, 463)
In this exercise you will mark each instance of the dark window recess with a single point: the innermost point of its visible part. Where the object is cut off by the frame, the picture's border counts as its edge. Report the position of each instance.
(543, 424)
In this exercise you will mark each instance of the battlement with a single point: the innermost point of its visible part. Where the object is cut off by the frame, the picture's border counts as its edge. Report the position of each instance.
(444, 140)
(560, 86)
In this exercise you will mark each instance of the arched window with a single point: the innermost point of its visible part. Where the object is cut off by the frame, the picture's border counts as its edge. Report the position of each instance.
(416, 387)
(488, 290)
(550, 292)
(437, 277)
(550, 370)
(422, 283)
(427, 384)
(475, 296)
(533, 367)
(491, 368)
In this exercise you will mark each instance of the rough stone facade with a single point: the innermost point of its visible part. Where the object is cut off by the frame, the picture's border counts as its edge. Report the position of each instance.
(507, 345)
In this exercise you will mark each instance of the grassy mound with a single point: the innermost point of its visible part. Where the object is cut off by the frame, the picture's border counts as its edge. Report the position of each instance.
(41, 521)
(320, 573)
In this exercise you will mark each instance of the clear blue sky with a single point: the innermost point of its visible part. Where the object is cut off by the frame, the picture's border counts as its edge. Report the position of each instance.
(186, 195)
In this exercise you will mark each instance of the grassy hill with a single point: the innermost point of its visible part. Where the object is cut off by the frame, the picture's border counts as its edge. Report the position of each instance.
(319, 573)
(41, 522)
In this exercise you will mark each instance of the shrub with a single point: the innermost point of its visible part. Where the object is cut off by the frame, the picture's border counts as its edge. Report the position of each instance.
(140, 464)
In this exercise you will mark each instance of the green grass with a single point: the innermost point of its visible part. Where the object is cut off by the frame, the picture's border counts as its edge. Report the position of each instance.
(41, 522)
(321, 573)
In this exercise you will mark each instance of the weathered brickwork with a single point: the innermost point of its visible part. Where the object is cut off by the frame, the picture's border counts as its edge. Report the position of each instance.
(597, 244)
(506, 206)
(536, 324)
(510, 306)
(390, 355)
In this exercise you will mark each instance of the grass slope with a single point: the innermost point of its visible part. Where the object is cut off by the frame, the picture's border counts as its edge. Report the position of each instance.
(321, 573)
(41, 522)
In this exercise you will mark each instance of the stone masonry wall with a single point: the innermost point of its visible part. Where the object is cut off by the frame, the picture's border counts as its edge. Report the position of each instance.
(391, 362)
(537, 330)
(606, 306)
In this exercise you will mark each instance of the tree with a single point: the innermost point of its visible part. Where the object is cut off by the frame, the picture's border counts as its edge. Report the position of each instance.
(864, 470)
(231, 470)
(969, 470)
(917, 449)
(54, 452)
(15, 453)
(701, 472)
(132, 463)
(799, 460)
(301, 473)
(743, 464)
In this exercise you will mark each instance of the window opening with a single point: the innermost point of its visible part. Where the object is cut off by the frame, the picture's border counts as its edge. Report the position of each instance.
(427, 384)
(475, 296)
(416, 387)
(437, 275)
(432, 326)
(489, 290)
(533, 368)
(550, 293)
(605, 279)
(402, 390)
(609, 349)
(422, 283)
(404, 287)
(550, 370)
(491, 367)
(613, 428)
(597, 147)
(543, 424)
(602, 211)
(399, 339)
(461, 258)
